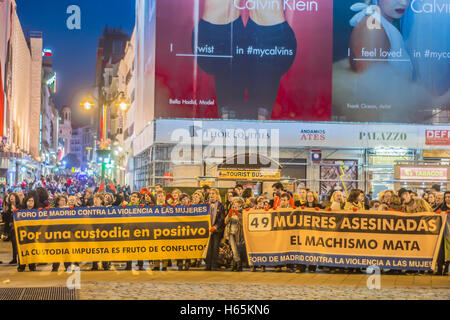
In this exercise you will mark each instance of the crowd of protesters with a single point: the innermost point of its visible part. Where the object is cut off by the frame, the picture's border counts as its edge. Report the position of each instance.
(227, 244)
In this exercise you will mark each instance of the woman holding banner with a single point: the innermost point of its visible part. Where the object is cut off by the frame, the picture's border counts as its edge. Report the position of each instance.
(240, 74)
(60, 201)
(72, 202)
(148, 199)
(337, 201)
(217, 214)
(443, 259)
(183, 200)
(300, 197)
(354, 203)
(160, 201)
(234, 232)
(30, 202)
(312, 200)
(175, 197)
(355, 200)
(382, 70)
(99, 201)
(135, 200)
(197, 198)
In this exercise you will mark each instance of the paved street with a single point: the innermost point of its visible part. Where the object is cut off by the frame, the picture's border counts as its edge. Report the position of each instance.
(198, 285)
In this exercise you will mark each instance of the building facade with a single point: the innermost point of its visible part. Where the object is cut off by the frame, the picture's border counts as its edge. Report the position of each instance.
(65, 132)
(110, 50)
(319, 156)
(125, 119)
(49, 118)
(81, 145)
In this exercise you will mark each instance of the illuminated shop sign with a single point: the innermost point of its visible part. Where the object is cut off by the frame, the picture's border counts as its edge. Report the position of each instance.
(423, 174)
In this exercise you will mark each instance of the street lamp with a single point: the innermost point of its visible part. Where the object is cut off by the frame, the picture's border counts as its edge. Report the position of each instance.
(123, 105)
(87, 105)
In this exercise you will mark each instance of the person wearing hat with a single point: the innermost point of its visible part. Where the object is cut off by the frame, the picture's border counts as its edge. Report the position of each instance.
(411, 205)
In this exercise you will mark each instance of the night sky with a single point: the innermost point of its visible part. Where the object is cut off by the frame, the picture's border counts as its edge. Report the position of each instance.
(74, 51)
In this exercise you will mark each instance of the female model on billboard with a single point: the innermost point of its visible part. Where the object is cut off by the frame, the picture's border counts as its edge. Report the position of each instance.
(247, 61)
(378, 39)
(376, 82)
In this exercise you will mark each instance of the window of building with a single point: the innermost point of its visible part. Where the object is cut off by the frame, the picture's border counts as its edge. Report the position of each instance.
(118, 47)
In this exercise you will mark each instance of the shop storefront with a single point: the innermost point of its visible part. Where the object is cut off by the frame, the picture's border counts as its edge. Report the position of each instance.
(8, 167)
(351, 155)
(380, 164)
(15, 168)
(421, 175)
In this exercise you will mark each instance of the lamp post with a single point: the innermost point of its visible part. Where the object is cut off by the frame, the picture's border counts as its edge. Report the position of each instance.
(87, 104)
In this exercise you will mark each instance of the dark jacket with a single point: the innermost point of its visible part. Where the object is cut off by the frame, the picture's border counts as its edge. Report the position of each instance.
(443, 207)
(87, 202)
(118, 199)
(7, 219)
(219, 222)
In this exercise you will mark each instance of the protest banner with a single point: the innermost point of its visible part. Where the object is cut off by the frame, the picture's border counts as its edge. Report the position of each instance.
(112, 233)
(389, 240)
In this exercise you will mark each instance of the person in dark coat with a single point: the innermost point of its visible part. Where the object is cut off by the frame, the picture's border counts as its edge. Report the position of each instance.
(30, 202)
(43, 197)
(443, 260)
(13, 204)
(217, 213)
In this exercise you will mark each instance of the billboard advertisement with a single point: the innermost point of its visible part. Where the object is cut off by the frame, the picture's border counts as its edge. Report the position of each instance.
(390, 60)
(310, 60)
(244, 59)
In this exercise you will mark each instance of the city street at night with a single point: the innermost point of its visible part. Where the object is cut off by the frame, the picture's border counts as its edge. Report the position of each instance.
(226, 285)
(187, 153)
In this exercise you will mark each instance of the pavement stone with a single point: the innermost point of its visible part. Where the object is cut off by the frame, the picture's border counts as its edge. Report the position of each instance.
(196, 284)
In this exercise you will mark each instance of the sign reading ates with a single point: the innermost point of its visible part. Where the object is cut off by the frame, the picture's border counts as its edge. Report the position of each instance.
(112, 233)
(343, 239)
